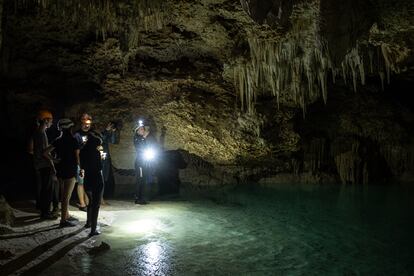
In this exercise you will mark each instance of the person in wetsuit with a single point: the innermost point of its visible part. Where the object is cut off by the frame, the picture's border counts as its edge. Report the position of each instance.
(145, 149)
(91, 164)
(82, 137)
(67, 166)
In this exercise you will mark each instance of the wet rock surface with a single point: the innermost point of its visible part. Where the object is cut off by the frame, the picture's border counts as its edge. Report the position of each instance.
(6, 213)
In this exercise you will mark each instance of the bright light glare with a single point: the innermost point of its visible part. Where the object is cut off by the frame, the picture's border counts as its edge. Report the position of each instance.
(141, 226)
(153, 251)
(149, 154)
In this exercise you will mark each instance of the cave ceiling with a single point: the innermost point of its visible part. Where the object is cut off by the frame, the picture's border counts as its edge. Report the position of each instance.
(212, 74)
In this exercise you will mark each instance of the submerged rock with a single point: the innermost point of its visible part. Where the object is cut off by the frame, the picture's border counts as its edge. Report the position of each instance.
(99, 249)
(6, 212)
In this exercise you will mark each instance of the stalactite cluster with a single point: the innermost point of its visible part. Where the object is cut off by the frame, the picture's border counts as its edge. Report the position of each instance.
(298, 66)
(369, 58)
(351, 158)
(104, 16)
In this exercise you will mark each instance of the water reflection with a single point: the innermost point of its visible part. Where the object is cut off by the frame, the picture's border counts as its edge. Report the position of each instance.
(141, 226)
(153, 259)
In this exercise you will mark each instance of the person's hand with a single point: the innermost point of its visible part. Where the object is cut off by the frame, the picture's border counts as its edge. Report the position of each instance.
(110, 127)
(56, 160)
(82, 173)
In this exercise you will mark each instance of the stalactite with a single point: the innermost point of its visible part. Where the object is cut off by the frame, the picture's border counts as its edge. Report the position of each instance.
(279, 66)
(297, 66)
(105, 16)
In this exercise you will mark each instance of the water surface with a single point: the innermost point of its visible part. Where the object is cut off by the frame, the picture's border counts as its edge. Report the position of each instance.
(294, 230)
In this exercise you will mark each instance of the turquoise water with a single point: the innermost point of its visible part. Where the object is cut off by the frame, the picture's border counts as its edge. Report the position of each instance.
(289, 230)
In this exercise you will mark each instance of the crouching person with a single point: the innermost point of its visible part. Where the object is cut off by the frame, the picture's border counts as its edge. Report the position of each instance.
(91, 164)
(67, 153)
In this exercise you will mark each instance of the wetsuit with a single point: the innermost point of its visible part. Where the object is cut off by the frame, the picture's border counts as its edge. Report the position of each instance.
(143, 169)
(65, 148)
(90, 159)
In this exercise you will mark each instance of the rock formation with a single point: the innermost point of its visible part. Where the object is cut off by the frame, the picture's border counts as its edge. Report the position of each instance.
(252, 88)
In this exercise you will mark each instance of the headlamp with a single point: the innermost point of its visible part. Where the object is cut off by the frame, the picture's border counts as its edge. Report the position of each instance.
(140, 123)
(149, 154)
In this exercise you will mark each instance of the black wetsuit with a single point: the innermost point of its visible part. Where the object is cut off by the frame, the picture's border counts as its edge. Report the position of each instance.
(143, 169)
(90, 159)
(65, 148)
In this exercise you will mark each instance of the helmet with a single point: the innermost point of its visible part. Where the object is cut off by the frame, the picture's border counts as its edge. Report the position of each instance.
(139, 124)
(44, 114)
(65, 124)
(86, 118)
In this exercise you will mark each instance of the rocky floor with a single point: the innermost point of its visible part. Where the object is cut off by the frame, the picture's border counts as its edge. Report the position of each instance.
(33, 244)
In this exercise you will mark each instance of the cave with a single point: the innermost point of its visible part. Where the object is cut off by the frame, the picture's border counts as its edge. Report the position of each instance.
(282, 134)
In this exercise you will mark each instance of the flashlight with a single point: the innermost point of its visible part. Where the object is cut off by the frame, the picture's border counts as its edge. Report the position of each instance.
(84, 139)
(103, 155)
(149, 154)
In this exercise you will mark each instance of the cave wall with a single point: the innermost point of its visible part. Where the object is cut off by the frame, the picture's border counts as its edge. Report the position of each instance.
(181, 79)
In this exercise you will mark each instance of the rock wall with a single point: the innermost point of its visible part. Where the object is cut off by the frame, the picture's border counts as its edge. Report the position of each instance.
(239, 85)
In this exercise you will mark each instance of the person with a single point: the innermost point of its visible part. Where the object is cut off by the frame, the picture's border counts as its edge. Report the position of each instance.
(108, 137)
(45, 169)
(145, 148)
(67, 152)
(90, 160)
(82, 137)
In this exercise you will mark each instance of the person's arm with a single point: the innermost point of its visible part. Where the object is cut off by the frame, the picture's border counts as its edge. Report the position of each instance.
(47, 154)
(109, 134)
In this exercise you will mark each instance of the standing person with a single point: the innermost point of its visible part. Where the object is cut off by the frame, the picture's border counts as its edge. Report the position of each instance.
(90, 158)
(108, 137)
(44, 167)
(145, 153)
(82, 137)
(67, 151)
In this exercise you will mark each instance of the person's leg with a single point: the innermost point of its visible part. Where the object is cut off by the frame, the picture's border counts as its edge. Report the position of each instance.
(38, 190)
(145, 185)
(46, 192)
(88, 183)
(82, 197)
(68, 185)
(96, 202)
(105, 173)
(89, 209)
(55, 194)
(138, 183)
